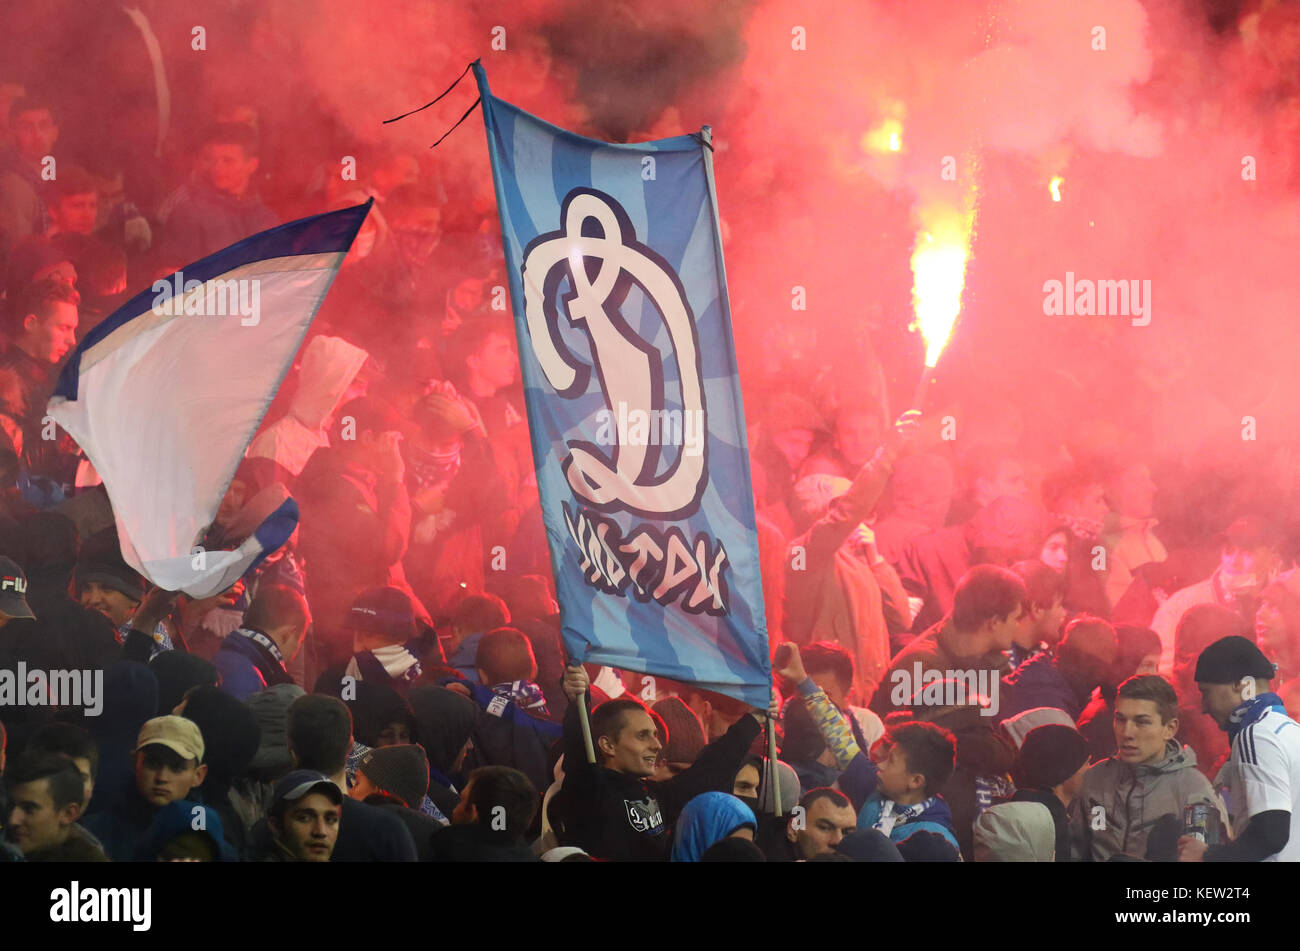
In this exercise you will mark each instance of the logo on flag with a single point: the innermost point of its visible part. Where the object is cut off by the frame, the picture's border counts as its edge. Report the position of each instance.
(601, 270)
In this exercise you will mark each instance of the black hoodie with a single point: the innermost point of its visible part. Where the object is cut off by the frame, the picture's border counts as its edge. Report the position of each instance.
(444, 720)
(473, 843)
(617, 816)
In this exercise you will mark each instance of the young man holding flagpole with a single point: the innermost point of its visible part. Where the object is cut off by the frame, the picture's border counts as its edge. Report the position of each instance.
(609, 808)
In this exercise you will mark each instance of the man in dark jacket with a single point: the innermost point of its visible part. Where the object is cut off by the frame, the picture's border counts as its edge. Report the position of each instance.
(1084, 660)
(253, 657)
(511, 730)
(444, 725)
(492, 819)
(45, 800)
(320, 735)
(231, 737)
(396, 778)
(391, 637)
(609, 808)
(43, 328)
(986, 610)
(305, 820)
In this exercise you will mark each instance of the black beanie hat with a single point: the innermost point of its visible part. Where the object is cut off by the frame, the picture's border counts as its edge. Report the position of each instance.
(402, 771)
(101, 562)
(1049, 756)
(1229, 659)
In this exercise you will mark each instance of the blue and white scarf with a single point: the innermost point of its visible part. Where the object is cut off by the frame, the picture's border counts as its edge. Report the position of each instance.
(892, 814)
(1251, 711)
(525, 694)
(394, 662)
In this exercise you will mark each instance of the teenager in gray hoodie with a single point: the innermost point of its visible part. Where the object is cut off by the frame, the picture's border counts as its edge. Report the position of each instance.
(1132, 803)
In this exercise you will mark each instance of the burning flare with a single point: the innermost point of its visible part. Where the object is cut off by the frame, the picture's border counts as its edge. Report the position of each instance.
(1055, 187)
(939, 273)
(886, 137)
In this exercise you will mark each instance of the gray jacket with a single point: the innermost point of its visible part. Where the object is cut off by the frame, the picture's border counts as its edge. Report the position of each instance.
(1120, 804)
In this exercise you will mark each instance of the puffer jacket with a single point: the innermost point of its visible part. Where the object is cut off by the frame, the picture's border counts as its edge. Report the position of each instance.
(1133, 799)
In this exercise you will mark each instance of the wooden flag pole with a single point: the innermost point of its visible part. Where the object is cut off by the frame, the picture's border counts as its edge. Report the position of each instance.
(773, 773)
(586, 729)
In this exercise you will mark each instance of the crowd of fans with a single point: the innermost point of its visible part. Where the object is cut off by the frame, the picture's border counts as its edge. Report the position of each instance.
(989, 640)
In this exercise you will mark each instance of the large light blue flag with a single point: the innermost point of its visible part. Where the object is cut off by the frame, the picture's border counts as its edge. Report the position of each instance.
(165, 395)
(638, 433)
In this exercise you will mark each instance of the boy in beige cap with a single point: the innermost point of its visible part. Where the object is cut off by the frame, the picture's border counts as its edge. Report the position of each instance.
(169, 759)
(168, 764)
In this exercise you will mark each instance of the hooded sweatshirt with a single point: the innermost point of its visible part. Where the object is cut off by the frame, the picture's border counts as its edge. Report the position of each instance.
(271, 710)
(444, 720)
(231, 736)
(1015, 832)
(178, 818)
(177, 672)
(1135, 798)
(706, 820)
(124, 828)
(619, 816)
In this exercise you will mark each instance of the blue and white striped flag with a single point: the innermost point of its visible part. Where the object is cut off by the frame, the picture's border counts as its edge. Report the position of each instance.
(165, 395)
(638, 432)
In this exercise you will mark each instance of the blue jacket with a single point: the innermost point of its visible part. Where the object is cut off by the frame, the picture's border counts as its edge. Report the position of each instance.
(466, 656)
(125, 827)
(247, 667)
(177, 818)
(198, 220)
(239, 674)
(859, 783)
(1038, 682)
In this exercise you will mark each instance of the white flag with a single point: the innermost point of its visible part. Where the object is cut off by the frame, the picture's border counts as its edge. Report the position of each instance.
(165, 395)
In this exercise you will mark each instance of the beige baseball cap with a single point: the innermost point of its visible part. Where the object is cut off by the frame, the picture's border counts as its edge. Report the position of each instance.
(178, 734)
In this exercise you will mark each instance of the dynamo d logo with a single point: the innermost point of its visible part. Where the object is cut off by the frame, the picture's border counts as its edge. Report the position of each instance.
(597, 252)
(601, 269)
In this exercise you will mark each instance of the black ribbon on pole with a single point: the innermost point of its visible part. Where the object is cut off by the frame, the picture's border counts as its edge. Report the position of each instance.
(433, 101)
(430, 103)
